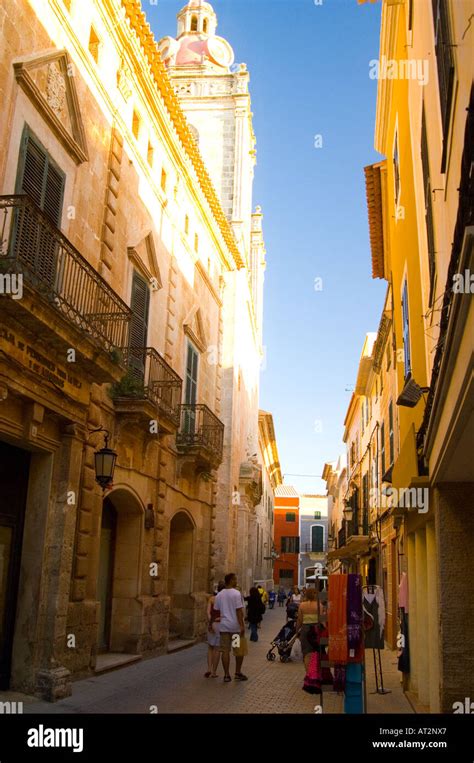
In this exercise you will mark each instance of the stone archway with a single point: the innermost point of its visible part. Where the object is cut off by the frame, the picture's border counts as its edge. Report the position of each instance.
(118, 579)
(180, 576)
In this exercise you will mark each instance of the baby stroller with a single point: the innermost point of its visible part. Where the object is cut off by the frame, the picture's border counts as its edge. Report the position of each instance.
(283, 642)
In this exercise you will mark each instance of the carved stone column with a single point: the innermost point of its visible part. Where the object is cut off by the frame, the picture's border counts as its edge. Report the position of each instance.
(53, 679)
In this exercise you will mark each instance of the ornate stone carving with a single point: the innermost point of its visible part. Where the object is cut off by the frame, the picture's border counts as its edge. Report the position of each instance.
(250, 479)
(55, 89)
(123, 83)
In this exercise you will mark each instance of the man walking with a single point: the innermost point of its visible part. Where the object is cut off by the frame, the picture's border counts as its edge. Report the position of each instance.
(230, 604)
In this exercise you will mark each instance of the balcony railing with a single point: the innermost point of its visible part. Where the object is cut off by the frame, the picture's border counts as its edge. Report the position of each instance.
(149, 377)
(358, 526)
(308, 547)
(201, 431)
(32, 246)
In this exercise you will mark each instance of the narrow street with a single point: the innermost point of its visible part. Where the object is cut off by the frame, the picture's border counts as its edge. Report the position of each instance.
(174, 683)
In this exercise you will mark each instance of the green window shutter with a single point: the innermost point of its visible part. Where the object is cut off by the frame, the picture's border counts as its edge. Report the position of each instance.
(317, 538)
(191, 376)
(40, 178)
(53, 196)
(43, 181)
(140, 304)
(32, 170)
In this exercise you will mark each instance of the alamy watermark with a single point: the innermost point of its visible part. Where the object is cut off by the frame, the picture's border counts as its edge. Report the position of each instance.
(12, 284)
(410, 68)
(402, 498)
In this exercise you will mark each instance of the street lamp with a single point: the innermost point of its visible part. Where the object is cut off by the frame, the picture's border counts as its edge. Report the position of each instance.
(348, 511)
(105, 459)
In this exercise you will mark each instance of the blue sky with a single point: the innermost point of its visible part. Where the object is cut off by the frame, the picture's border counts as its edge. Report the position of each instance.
(309, 70)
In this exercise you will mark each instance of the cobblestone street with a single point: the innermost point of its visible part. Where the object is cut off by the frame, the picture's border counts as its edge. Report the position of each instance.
(174, 683)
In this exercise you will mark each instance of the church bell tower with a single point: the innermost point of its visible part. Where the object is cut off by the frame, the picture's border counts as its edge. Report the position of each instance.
(214, 95)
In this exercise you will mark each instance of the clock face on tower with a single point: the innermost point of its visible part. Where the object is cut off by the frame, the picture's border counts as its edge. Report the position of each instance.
(220, 52)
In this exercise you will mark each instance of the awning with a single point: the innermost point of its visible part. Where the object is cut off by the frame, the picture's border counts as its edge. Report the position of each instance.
(355, 546)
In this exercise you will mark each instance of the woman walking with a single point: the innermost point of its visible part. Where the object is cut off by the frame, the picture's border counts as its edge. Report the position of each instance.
(213, 635)
(255, 610)
(310, 632)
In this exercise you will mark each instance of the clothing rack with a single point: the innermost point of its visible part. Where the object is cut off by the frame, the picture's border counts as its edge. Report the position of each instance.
(379, 687)
(323, 598)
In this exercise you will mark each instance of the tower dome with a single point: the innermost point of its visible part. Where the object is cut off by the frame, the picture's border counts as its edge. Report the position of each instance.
(197, 17)
(196, 43)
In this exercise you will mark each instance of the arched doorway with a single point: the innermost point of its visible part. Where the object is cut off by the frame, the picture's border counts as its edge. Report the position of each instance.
(180, 576)
(118, 579)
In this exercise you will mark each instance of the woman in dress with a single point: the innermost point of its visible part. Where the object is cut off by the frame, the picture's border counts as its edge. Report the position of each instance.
(213, 635)
(311, 631)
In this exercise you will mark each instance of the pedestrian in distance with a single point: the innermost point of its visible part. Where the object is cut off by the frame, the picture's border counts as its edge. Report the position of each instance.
(263, 594)
(255, 608)
(271, 599)
(213, 636)
(293, 603)
(281, 596)
(230, 604)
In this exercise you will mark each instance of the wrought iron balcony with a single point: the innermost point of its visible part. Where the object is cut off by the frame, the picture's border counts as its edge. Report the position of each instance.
(356, 526)
(149, 379)
(31, 246)
(308, 549)
(201, 434)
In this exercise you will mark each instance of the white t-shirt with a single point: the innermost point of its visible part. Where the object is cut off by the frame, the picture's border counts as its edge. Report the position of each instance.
(227, 602)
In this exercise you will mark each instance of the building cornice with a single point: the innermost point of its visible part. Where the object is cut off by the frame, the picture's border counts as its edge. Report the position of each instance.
(388, 36)
(268, 445)
(138, 23)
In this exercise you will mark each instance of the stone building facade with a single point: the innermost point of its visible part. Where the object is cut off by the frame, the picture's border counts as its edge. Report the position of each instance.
(217, 105)
(420, 208)
(262, 529)
(132, 283)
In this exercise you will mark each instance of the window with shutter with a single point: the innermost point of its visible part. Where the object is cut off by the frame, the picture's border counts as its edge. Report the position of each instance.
(317, 538)
(191, 375)
(43, 181)
(406, 331)
(445, 65)
(428, 205)
(382, 448)
(390, 432)
(190, 390)
(40, 177)
(139, 303)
